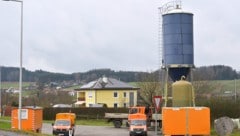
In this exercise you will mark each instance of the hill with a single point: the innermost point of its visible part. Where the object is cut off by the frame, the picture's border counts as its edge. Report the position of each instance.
(11, 74)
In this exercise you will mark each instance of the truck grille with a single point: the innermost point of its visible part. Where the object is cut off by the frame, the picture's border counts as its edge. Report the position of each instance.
(61, 129)
(138, 129)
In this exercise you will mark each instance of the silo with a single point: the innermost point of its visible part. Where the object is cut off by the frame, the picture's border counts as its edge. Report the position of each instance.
(177, 36)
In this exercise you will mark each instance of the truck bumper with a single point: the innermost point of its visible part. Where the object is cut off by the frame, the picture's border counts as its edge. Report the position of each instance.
(61, 132)
(138, 133)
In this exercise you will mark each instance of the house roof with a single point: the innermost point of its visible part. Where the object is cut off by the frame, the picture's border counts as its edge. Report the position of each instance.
(106, 83)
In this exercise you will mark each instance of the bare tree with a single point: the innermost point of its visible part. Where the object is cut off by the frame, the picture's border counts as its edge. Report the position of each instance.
(149, 87)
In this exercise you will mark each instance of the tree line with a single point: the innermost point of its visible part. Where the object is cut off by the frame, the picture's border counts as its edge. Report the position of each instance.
(11, 74)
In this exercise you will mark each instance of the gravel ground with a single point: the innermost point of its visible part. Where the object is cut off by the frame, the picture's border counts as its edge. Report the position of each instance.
(95, 131)
(7, 133)
(85, 131)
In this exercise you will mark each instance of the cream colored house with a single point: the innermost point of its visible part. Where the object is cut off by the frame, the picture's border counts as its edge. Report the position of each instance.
(108, 91)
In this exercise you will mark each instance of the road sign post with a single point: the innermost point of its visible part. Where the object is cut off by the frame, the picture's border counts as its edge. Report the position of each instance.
(157, 103)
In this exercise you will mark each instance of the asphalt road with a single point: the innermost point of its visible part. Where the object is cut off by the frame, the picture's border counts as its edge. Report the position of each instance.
(95, 131)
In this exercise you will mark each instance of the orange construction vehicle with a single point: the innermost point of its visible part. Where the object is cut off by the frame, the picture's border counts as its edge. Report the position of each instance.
(119, 118)
(137, 120)
(64, 124)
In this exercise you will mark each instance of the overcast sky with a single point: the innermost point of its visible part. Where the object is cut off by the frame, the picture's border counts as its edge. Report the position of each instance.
(80, 35)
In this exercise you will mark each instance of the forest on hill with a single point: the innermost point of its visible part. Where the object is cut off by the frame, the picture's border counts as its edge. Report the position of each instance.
(11, 74)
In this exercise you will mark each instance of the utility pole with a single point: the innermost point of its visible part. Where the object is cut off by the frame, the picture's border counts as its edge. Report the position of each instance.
(235, 90)
(0, 91)
(20, 67)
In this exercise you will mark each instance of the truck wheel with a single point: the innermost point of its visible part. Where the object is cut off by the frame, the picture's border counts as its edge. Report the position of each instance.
(117, 123)
(127, 124)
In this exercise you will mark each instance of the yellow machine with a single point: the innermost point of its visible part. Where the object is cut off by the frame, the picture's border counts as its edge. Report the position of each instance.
(182, 94)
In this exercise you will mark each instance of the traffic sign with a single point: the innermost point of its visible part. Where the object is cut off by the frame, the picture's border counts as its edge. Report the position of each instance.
(157, 102)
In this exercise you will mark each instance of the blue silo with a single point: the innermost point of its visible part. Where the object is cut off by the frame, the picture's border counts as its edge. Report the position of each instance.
(178, 53)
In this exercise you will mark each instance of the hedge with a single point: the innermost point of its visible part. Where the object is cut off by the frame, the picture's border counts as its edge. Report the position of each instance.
(86, 113)
(221, 107)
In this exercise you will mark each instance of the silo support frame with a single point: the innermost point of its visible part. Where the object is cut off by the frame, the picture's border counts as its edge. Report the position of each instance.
(166, 88)
(193, 91)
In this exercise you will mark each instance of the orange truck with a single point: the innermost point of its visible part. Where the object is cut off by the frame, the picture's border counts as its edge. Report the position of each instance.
(119, 118)
(137, 124)
(64, 124)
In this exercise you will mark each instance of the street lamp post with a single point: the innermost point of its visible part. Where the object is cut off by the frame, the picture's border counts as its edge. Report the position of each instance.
(20, 68)
(0, 91)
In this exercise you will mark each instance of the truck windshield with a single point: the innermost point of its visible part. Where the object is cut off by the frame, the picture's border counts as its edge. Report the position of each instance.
(62, 123)
(138, 122)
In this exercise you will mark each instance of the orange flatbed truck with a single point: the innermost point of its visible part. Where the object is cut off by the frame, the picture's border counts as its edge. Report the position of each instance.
(119, 118)
(64, 124)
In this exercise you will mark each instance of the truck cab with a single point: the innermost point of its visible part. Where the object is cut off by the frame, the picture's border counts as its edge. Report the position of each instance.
(137, 124)
(64, 124)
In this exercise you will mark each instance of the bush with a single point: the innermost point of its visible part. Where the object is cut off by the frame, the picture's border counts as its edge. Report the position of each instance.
(87, 113)
(220, 107)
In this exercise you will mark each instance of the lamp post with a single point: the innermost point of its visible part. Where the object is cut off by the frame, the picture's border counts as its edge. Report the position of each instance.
(0, 91)
(20, 68)
(235, 90)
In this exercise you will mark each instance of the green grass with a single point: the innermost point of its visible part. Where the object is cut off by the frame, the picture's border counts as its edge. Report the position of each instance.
(227, 85)
(6, 85)
(5, 125)
(94, 122)
(73, 87)
(234, 133)
(5, 118)
(88, 122)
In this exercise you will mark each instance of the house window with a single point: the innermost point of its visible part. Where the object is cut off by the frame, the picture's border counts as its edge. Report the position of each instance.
(24, 113)
(115, 105)
(115, 94)
(90, 95)
(125, 105)
(124, 94)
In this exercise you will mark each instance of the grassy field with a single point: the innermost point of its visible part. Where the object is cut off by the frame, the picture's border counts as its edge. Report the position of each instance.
(227, 85)
(6, 85)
